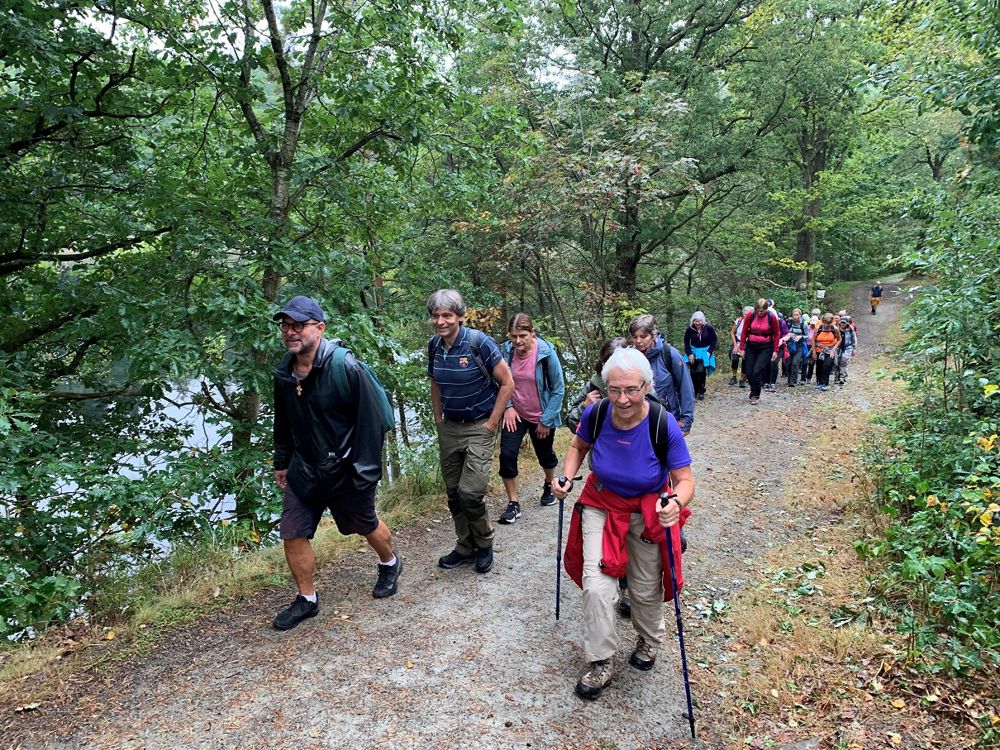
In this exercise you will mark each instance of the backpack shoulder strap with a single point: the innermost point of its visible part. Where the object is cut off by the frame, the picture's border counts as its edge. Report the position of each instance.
(474, 343)
(658, 430)
(597, 419)
(338, 361)
(432, 346)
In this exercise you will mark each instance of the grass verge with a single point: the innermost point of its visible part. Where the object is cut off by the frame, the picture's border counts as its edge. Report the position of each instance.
(810, 657)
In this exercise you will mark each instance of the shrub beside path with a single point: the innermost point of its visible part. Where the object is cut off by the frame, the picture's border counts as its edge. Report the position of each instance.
(456, 659)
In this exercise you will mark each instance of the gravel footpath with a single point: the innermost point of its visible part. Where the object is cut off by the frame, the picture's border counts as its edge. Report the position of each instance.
(456, 659)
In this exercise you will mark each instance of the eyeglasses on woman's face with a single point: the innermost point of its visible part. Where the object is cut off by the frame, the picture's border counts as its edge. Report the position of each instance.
(295, 326)
(632, 391)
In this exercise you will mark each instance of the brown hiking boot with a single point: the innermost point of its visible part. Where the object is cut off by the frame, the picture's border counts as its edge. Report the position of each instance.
(644, 656)
(595, 678)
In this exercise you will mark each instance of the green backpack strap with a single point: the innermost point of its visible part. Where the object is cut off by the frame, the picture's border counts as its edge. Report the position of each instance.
(339, 363)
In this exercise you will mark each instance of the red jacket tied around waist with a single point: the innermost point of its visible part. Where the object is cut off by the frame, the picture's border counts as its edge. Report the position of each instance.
(614, 556)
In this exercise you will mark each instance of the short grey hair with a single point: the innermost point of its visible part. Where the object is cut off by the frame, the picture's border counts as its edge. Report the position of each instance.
(446, 299)
(628, 360)
(698, 316)
(645, 323)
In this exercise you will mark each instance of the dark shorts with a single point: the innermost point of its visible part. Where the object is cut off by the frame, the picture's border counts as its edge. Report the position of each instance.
(353, 512)
(510, 446)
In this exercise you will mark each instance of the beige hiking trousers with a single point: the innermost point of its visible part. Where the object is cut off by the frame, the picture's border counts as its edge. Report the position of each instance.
(600, 591)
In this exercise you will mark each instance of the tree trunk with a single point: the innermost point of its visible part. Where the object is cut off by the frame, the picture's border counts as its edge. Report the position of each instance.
(814, 146)
(805, 243)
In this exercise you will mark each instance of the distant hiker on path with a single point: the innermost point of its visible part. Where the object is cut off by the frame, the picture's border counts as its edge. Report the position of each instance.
(535, 409)
(876, 296)
(846, 349)
(796, 341)
(700, 342)
(471, 386)
(759, 345)
(618, 524)
(671, 377)
(327, 453)
(825, 343)
(736, 359)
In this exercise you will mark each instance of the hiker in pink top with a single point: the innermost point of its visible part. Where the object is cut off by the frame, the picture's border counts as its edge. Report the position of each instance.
(534, 409)
(759, 345)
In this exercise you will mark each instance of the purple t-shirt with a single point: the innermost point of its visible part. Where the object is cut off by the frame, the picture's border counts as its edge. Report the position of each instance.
(624, 460)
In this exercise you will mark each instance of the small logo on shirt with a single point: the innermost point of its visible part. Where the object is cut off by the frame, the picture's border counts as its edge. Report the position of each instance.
(463, 361)
(626, 443)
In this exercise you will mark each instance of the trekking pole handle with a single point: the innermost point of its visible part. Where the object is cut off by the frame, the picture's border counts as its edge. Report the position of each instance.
(667, 496)
(563, 479)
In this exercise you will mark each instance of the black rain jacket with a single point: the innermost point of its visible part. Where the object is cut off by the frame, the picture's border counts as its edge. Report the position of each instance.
(322, 439)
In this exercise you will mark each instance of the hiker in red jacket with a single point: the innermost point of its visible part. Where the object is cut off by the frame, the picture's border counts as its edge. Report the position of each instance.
(618, 524)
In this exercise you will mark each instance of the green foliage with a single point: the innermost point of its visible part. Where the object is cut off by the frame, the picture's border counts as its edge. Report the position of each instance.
(939, 477)
(167, 178)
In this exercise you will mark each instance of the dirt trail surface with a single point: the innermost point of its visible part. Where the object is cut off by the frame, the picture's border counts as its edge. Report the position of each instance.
(456, 659)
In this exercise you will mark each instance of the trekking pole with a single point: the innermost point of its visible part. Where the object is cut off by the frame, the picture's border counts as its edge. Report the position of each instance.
(677, 611)
(562, 481)
(562, 500)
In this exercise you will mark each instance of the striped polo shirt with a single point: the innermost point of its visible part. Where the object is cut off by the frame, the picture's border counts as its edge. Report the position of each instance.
(466, 394)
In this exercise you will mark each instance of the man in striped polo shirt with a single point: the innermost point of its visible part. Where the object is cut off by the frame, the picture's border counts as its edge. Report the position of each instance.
(470, 387)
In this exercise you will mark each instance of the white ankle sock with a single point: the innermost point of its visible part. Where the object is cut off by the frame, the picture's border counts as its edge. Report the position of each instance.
(311, 598)
(388, 564)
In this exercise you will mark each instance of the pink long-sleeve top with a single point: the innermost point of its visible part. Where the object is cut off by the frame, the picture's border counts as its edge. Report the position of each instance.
(761, 329)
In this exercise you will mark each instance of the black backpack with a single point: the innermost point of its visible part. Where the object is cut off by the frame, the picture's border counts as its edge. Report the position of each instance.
(657, 425)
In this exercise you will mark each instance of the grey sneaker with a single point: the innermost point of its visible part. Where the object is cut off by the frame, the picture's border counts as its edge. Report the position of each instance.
(300, 610)
(388, 579)
(512, 513)
(595, 678)
(644, 656)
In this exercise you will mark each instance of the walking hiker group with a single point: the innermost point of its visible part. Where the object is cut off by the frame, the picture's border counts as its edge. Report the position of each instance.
(762, 339)
(629, 419)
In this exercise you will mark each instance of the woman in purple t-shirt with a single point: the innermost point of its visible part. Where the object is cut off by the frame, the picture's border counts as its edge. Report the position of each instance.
(619, 510)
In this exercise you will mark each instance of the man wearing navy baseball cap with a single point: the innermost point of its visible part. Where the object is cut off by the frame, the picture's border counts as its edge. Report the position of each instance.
(327, 453)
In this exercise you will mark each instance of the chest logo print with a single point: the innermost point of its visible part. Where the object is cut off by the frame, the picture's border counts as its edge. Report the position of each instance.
(463, 361)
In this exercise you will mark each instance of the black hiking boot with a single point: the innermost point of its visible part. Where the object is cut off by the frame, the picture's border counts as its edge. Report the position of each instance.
(301, 609)
(484, 559)
(388, 579)
(455, 558)
(644, 656)
(624, 606)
